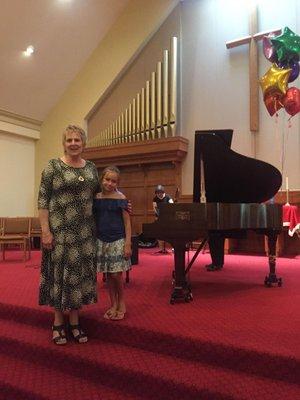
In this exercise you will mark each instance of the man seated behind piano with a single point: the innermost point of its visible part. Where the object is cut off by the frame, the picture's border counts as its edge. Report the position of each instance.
(216, 242)
(160, 197)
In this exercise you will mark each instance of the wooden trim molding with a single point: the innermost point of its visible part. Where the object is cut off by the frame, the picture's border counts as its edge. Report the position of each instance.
(20, 120)
(15, 124)
(12, 129)
(172, 149)
(294, 197)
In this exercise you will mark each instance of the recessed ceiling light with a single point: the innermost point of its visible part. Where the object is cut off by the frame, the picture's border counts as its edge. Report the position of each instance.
(28, 51)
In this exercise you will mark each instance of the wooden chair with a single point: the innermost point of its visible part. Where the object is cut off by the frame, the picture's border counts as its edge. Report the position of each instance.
(35, 230)
(16, 231)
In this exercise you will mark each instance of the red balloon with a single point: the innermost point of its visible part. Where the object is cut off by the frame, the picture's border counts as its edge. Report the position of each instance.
(291, 101)
(273, 101)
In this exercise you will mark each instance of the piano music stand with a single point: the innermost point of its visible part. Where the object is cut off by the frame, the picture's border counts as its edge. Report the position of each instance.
(226, 136)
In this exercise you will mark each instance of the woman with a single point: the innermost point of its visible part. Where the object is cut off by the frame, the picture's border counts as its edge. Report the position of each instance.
(68, 270)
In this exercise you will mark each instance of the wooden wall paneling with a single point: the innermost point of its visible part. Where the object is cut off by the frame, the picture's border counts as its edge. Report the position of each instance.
(231, 246)
(161, 172)
(138, 183)
(132, 184)
(253, 244)
(143, 166)
(287, 245)
(138, 200)
(185, 198)
(128, 171)
(294, 197)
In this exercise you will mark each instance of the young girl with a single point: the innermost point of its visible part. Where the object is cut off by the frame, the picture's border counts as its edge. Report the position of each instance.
(113, 239)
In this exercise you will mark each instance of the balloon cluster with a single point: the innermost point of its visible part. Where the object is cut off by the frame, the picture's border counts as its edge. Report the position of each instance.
(283, 52)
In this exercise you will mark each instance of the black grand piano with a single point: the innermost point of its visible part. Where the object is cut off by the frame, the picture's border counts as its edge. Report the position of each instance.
(230, 191)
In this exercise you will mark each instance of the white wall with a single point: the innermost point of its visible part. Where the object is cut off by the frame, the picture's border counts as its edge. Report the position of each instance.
(215, 81)
(17, 159)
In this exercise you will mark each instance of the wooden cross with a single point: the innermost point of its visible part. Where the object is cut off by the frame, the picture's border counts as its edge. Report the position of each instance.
(252, 40)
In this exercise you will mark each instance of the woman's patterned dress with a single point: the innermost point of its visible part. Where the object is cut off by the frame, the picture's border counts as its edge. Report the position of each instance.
(68, 271)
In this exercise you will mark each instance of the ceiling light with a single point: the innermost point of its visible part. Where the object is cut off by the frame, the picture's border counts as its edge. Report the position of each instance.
(28, 51)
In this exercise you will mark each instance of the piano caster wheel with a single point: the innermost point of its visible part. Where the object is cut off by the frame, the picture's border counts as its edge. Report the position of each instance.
(188, 298)
(181, 293)
(267, 283)
(272, 279)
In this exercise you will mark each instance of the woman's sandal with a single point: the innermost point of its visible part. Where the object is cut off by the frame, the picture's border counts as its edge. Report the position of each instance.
(81, 337)
(61, 338)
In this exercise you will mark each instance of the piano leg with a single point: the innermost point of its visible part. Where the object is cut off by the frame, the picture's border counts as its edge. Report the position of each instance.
(272, 278)
(182, 290)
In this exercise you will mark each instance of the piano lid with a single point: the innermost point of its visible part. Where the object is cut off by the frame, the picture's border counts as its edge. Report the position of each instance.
(231, 177)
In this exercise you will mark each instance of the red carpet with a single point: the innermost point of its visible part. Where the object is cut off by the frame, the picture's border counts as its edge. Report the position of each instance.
(236, 340)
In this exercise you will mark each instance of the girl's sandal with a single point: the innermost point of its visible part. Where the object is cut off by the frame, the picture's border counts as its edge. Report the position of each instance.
(80, 337)
(61, 338)
(109, 313)
(118, 316)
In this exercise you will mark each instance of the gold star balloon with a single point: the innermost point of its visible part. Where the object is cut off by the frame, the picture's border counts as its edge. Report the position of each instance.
(275, 80)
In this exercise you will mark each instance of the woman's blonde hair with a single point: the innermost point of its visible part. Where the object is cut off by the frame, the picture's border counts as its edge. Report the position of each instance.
(75, 128)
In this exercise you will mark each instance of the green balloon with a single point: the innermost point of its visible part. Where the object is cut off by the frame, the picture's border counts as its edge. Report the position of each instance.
(287, 45)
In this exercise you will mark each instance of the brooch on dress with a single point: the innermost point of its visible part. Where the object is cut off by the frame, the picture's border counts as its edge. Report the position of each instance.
(81, 178)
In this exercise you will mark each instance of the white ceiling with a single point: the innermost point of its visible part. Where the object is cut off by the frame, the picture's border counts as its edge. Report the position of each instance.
(64, 34)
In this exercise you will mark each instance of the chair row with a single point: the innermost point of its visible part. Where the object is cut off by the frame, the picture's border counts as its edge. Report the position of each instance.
(19, 231)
